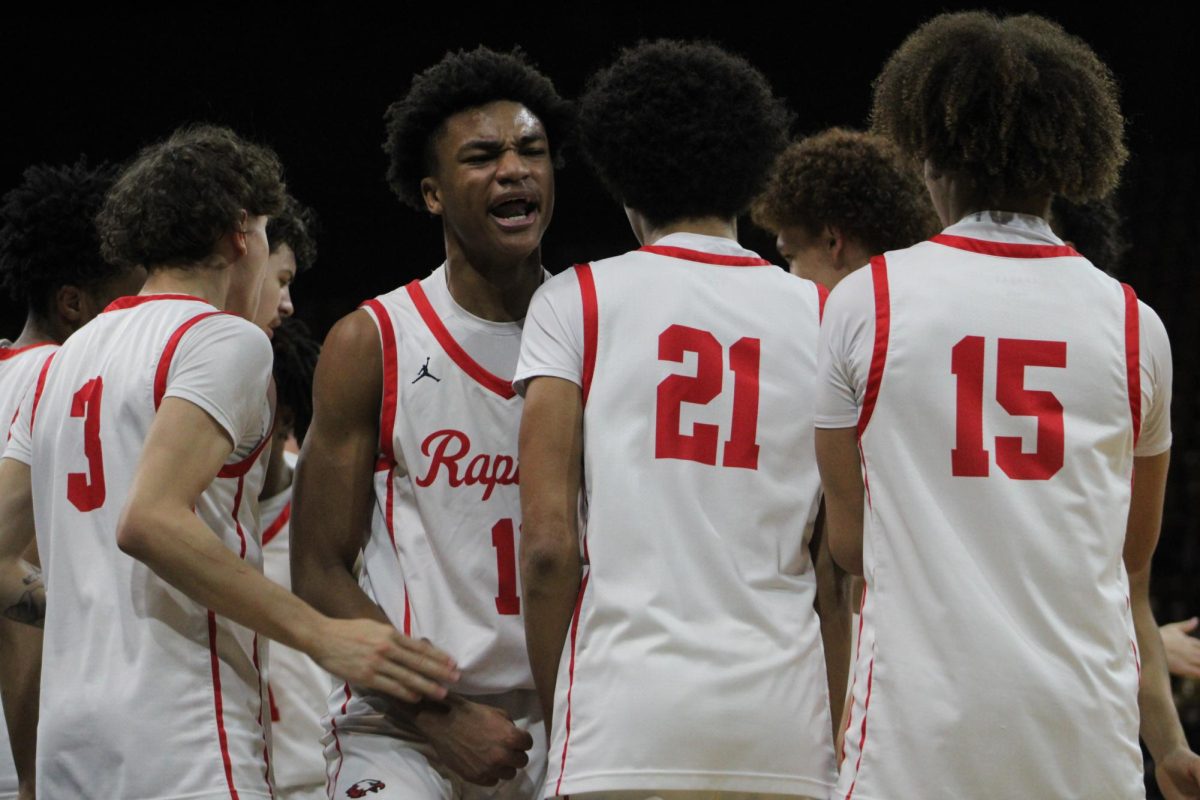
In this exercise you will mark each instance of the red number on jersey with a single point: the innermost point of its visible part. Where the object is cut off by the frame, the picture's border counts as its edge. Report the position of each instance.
(741, 450)
(86, 490)
(504, 540)
(968, 458)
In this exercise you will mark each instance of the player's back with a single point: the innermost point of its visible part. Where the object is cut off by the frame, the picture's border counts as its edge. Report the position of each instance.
(144, 692)
(695, 660)
(998, 437)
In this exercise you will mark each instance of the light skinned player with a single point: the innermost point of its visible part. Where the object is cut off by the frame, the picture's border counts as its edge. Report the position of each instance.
(1001, 407)
(411, 459)
(668, 487)
(138, 457)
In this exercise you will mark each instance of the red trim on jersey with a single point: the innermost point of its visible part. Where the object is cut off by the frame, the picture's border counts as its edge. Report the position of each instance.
(240, 468)
(168, 354)
(266, 747)
(218, 704)
(705, 258)
(275, 527)
(137, 300)
(1137, 660)
(271, 702)
(862, 739)
(237, 505)
(1004, 249)
(862, 603)
(883, 321)
(459, 356)
(822, 296)
(591, 324)
(562, 767)
(37, 390)
(330, 788)
(1133, 360)
(391, 382)
(12, 352)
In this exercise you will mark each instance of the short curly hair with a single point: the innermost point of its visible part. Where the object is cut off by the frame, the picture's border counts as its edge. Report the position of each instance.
(859, 183)
(1094, 228)
(681, 130)
(296, 354)
(460, 81)
(180, 196)
(1017, 103)
(48, 233)
(295, 226)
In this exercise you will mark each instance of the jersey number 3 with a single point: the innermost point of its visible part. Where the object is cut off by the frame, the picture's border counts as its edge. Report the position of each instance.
(741, 449)
(969, 459)
(85, 490)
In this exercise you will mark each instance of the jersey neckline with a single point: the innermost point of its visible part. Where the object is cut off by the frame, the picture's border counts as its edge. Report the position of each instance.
(7, 352)
(991, 247)
(137, 300)
(718, 259)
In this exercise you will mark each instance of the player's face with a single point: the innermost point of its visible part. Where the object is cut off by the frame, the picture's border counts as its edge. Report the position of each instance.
(275, 298)
(808, 255)
(493, 184)
(246, 274)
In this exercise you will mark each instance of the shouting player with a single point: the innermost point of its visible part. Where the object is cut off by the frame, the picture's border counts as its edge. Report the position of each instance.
(138, 456)
(994, 393)
(412, 455)
(50, 262)
(673, 384)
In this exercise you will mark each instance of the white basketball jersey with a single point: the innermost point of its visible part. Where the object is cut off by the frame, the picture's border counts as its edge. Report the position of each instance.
(145, 694)
(694, 660)
(998, 421)
(441, 557)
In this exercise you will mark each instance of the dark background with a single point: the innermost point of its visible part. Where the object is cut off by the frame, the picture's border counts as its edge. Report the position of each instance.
(314, 86)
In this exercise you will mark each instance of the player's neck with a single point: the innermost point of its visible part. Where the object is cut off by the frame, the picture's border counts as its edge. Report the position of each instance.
(40, 331)
(649, 233)
(208, 284)
(499, 290)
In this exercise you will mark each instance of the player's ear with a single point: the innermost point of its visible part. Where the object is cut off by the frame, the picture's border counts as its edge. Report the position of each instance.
(432, 194)
(238, 235)
(69, 303)
(834, 241)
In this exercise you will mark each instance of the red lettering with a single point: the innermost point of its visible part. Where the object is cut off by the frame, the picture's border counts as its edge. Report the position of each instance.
(447, 448)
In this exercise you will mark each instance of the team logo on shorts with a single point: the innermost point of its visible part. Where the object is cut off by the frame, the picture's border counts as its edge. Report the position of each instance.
(363, 788)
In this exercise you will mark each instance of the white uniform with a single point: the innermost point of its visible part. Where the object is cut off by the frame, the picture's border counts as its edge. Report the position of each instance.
(145, 694)
(297, 686)
(441, 557)
(19, 368)
(998, 382)
(694, 660)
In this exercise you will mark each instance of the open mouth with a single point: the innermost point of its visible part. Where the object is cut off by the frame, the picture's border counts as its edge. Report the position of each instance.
(515, 212)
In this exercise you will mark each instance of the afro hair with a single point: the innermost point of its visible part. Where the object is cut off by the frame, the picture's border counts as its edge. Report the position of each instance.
(178, 197)
(859, 183)
(680, 130)
(48, 233)
(296, 354)
(460, 81)
(1017, 104)
(1094, 228)
(295, 226)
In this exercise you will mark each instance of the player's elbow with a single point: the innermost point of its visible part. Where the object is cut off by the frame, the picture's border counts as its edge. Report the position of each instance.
(847, 553)
(138, 531)
(548, 552)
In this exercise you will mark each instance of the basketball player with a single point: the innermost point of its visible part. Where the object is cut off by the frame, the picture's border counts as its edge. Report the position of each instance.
(671, 384)
(414, 406)
(293, 251)
(50, 263)
(996, 393)
(836, 198)
(142, 438)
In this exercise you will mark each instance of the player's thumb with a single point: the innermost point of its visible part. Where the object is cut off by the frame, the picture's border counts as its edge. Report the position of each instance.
(1189, 625)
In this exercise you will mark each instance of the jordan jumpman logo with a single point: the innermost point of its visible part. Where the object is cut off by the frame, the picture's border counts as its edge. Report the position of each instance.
(425, 373)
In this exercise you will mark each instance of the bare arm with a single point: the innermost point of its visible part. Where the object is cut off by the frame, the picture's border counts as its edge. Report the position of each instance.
(20, 676)
(22, 596)
(551, 455)
(833, 607)
(841, 477)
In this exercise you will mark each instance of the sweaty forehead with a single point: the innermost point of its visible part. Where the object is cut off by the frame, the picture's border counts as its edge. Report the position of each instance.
(501, 120)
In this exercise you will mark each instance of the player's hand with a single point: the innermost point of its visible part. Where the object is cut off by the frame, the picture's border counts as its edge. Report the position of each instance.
(1178, 775)
(480, 743)
(378, 657)
(1183, 650)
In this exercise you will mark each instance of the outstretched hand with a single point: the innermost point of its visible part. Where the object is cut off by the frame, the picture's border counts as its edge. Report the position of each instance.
(478, 742)
(378, 657)
(1183, 649)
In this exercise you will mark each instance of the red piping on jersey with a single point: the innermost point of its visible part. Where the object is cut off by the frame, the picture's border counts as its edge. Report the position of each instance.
(266, 747)
(137, 300)
(862, 740)
(862, 602)
(1004, 249)
(822, 296)
(459, 356)
(275, 527)
(168, 354)
(1133, 360)
(883, 321)
(330, 789)
(239, 469)
(12, 352)
(387, 410)
(705, 258)
(562, 767)
(37, 390)
(237, 523)
(217, 703)
(591, 324)
(390, 520)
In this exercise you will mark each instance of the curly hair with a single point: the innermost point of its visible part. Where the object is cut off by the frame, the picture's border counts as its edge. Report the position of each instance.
(295, 226)
(1094, 228)
(1017, 103)
(859, 183)
(680, 130)
(296, 354)
(463, 80)
(178, 197)
(48, 233)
